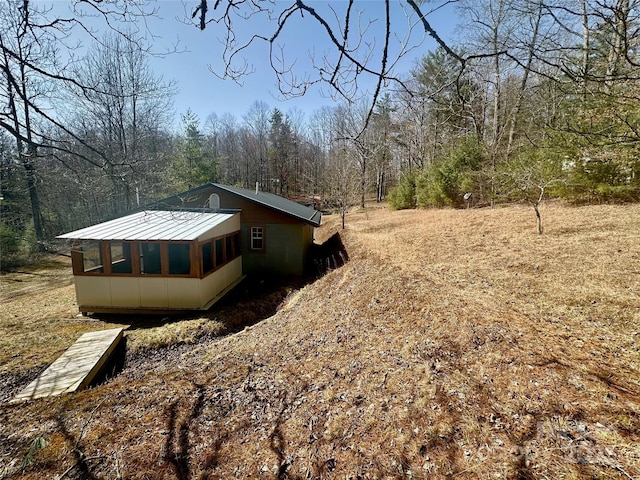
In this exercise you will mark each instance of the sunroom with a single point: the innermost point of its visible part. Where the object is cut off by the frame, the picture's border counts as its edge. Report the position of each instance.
(156, 261)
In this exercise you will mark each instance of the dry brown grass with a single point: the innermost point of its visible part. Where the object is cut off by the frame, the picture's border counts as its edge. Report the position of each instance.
(38, 303)
(453, 344)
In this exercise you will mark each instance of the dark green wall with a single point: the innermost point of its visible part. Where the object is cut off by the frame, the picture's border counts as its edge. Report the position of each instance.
(287, 246)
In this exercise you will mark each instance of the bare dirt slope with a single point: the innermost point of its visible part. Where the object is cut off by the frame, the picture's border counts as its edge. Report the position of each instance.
(452, 344)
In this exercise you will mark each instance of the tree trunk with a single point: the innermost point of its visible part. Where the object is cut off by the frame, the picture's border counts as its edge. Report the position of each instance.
(619, 40)
(34, 198)
(538, 219)
(585, 47)
(380, 186)
(363, 179)
(517, 109)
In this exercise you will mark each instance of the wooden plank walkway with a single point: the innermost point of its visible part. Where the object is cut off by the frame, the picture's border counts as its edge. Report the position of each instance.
(77, 366)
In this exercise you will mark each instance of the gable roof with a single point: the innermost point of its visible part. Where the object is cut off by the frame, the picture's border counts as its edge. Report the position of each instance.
(276, 202)
(152, 225)
(268, 200)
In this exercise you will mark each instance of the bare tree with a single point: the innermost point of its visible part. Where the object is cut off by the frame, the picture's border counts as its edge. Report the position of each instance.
(30, 37)
(257, 150)
(447, 105)
(32, 73)
(342, 177)
(232, 148)
(21, 88)
(366, 39)
(382, 127)
(321, 135)
(491, 25)
(120, 115)
(528, 178)
(350, 123)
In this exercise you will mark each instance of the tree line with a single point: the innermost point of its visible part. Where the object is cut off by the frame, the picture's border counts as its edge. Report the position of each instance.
(534, 98)
(553, 110)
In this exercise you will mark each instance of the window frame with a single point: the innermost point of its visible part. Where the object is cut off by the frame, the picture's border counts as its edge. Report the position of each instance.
(133, 257)
(204, 269)
(237, 244)
(189, 257)
(136, 249)
(164, 267)
(227, 255)
(78, 257)
(262, 238)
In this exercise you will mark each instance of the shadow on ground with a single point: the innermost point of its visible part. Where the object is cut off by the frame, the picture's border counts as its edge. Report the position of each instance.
(256, 298)
(329, 255)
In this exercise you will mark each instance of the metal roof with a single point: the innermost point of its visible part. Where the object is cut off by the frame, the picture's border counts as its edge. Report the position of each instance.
(276, 202)
(153, 225)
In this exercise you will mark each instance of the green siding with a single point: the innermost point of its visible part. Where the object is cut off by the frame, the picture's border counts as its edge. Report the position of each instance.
(286, 249)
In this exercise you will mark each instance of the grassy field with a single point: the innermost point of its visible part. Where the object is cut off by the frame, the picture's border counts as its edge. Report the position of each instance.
(453, 344)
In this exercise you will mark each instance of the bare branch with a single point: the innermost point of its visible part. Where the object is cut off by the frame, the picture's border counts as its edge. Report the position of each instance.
(353, 52)
(432, 32)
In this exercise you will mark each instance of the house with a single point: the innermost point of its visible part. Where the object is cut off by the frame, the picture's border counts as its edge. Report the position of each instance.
(276, 233)
(156, 261)
(186, 251)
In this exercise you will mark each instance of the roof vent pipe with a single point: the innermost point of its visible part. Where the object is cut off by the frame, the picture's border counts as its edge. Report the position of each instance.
(257, 187)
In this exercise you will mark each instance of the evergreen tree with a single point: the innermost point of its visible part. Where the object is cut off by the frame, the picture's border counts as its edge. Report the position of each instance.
(281, 141)
(195, 164)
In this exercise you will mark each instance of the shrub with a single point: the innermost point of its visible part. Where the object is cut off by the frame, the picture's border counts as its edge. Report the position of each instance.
(403, 195)
(597, 180)
(445, 182)
(9, 246)
(433, 188)
(618, 193)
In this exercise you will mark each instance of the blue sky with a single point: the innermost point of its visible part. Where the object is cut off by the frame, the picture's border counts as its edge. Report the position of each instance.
(204, 93)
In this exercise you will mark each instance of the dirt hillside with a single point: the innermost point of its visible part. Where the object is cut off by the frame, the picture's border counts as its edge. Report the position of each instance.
(453, 344)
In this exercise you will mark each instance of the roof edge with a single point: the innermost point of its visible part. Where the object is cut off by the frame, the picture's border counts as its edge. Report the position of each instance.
(273, 207)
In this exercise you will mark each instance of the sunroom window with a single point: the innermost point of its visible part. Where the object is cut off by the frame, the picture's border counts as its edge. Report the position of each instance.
(92, 258)
(121, 257)
(179, 259)
(150, 259)
(207, 257)
(219, 243)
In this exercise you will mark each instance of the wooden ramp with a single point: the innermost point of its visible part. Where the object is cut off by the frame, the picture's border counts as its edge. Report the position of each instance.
(75, 369)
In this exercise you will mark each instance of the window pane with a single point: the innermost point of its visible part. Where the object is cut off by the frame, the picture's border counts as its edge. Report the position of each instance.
(150, 258)
(121, 257)
(257, 239)
(236, 244)
(179, 259)
(92, 258)
(228, 244)
(219, 252)
(207, 257)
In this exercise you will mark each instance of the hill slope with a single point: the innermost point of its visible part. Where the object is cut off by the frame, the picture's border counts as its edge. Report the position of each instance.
(453, 343)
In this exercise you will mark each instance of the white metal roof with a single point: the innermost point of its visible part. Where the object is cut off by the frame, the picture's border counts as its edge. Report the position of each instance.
(153, 225)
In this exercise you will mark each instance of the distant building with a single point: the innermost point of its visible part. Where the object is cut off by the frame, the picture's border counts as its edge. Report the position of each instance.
(186, 251)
